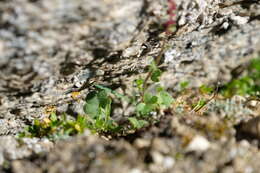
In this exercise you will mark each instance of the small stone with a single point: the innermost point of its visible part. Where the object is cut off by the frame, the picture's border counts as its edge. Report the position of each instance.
(78, 84)
(182, 21)
(239, 99)
(142, 143)
(225, 25)
(131, 51)
(100, 72)
(168, 162)
(160, 145)
(135, 170)
(157, 158)
(253, 103)
(238, 20)
(84, 75)
(245, 143)
(198, 143)
(170, 55)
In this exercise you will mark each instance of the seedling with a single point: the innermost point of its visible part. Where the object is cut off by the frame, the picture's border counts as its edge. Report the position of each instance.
(149, 103)
(98, 109)
(98, 104)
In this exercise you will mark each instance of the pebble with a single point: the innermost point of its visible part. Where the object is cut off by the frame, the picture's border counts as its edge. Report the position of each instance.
(142, 143)
(135, 170)
(198, 143)
(238, 20)
(157, 158)
(168, 162)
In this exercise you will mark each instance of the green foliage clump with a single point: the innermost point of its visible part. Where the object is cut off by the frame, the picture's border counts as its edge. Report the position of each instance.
(56, 127)
(246, 85)
(149, 103)
(98, 111)
(137, 124)
(97, 119)
(152, 102)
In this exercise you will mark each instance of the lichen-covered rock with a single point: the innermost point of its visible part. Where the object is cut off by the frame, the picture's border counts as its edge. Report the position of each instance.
(50, 47)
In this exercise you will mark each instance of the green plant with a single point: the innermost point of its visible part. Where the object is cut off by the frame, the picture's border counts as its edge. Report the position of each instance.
(184, 85)
(56, 127)
(98, 109)
(148, 102)
(99, 103)
(137, 124)
(206, 89)
(98, 120)
(152, 102)
(246, 85)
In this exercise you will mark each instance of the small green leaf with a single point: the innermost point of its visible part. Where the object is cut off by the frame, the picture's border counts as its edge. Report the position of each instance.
(184, 85)
(104, 99)
(149, 98)
(53, 117)
(145, 109)
(108, 109)
(165, 99)
(205, 89)
(36, 122)
(108, 90)
(159, 89)
(63, 117)
(139, 82)
(137, 124)
(255, 64)
(140, 107)
(92, 105)
(153, 66)
(153, 100)
(156, 75)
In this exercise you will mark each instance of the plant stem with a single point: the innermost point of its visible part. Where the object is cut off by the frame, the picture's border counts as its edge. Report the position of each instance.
(157, 61)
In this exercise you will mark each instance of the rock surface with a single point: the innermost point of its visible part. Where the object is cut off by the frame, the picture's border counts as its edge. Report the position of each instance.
(48, 49)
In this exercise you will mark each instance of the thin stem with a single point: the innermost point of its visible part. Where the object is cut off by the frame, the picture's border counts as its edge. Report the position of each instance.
(157, 61)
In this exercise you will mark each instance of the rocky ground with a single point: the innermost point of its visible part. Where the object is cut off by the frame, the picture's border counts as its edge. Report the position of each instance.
(50, 49)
